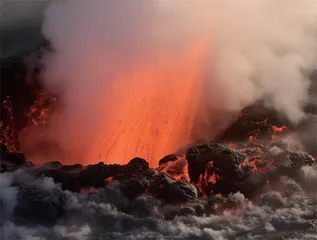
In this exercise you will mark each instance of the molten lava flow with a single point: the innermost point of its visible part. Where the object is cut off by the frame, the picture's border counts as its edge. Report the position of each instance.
(85, 190)
(36, 115)
(257, 164)
(176, 169)
(152, 109)
(38, 112)
(207, 180)
(108, 180)
(254, 135)
(263, 128)
(213, 178)
(277, 130)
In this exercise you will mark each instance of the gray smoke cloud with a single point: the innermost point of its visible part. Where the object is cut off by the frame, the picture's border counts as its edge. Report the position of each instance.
(251, 50)
(287, 211)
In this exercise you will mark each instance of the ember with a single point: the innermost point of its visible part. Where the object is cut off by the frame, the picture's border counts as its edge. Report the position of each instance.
(176, 169)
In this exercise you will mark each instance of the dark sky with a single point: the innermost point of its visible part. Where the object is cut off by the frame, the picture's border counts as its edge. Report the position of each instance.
(20, 25)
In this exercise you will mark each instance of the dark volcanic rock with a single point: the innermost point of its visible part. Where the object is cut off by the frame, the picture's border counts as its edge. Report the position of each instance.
(226, 186)
(215, 199)
(223, 158)
(11, 161)
(14, 158)
(168, 158)
(95, 175)
(197, 157)
(180, 191)
(20, 81)
(110, 194)
(71, 168)
(158, 185)
(4, 168)
(3, 148)
(140, 162)
(228, 161)
(68, 180)
(143, 206)
(252, 185)
(256, 120)
(52, 165)
(133, 187)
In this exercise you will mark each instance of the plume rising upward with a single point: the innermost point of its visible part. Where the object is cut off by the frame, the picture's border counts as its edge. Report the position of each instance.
(133, 76)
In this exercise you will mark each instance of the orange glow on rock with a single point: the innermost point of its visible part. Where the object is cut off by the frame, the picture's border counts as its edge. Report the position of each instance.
(108, 180)
(152, 108)
(176, 169)
(85, 190)
(213, 178)
(276, 130)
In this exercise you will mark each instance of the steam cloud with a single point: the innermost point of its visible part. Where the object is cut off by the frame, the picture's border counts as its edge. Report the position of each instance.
(112, 59)
(287, 211)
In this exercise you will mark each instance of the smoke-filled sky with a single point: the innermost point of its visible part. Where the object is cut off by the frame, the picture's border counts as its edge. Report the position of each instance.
(136, 77)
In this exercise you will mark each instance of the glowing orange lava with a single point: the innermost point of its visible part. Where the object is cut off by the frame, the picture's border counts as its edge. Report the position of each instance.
(38, 112)
(176, 169)
(109, 180)
(85, 190)
(276, 130)
(152, 109)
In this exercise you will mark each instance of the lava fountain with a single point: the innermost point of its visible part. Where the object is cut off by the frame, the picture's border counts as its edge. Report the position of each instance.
(152, 112)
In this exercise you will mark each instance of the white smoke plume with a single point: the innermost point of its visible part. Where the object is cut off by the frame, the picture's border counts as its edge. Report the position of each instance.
(120, 65)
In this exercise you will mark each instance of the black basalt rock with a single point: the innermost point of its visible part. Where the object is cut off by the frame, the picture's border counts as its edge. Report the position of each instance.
(224, 159)
(13, 158)
(3, 148)
(168, 158)
(95, 175)
(71, 168)
(180, 191)
(135, 186)
(140, 162)
(68, 180)
(52, 165)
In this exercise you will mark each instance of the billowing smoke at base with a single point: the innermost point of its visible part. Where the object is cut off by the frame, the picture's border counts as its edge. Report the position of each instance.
(147, 204)
(145, 78)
